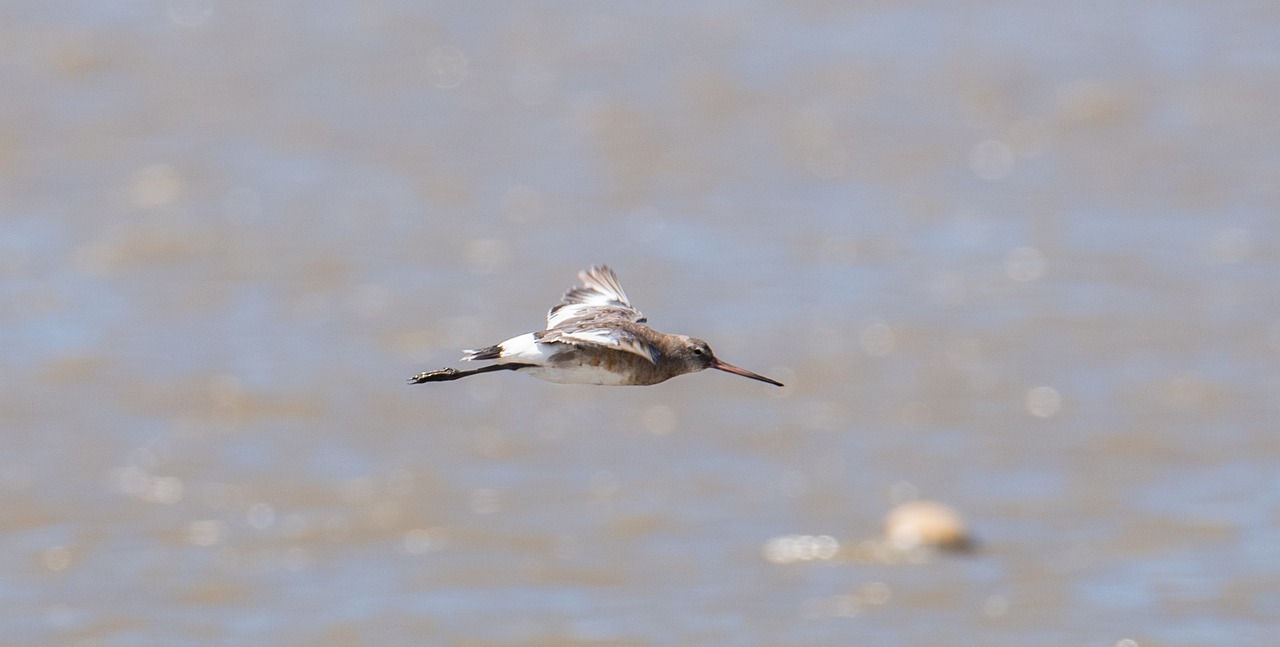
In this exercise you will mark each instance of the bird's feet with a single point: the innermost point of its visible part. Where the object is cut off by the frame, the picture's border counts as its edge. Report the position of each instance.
(442, 375)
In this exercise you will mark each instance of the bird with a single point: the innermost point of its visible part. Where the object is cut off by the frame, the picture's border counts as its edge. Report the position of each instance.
(595, 336)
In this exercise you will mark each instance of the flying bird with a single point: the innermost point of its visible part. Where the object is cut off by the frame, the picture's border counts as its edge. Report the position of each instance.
(595, 336)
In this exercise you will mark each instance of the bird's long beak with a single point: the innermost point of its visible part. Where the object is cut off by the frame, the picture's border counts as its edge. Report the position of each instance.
(730, 368)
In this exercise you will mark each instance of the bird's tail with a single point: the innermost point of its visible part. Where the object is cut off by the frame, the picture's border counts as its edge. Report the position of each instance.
(492, 352)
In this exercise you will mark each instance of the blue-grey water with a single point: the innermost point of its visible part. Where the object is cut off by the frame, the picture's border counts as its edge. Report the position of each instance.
(1018, 258)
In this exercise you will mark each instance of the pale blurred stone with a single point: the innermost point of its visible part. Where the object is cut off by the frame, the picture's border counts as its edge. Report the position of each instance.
(929, 524)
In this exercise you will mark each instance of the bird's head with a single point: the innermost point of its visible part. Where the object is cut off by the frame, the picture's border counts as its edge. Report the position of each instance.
(695, 355)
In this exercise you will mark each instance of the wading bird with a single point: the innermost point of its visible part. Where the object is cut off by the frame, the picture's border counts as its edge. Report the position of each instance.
(595, 336)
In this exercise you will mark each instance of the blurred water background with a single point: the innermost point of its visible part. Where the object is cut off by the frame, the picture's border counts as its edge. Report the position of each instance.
(1020, 258)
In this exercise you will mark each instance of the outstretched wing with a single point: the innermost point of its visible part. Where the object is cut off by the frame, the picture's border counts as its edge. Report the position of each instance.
(598, 314)
(599, 296)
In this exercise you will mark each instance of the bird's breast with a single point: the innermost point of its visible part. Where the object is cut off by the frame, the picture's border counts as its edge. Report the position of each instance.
(597, 366)
(579, 374)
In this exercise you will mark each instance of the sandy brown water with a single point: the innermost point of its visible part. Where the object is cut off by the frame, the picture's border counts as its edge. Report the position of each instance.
(1019, 258)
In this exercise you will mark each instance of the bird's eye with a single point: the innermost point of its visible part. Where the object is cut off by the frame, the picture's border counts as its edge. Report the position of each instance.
(697, 351)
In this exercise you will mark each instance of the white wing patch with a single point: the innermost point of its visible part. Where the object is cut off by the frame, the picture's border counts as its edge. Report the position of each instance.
(609, 338)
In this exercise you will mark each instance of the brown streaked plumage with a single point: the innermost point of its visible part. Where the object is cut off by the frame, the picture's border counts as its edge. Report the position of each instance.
(595, 336)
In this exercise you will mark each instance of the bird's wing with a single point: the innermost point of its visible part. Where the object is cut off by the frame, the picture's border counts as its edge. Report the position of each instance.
(602, 327)
(599, 295)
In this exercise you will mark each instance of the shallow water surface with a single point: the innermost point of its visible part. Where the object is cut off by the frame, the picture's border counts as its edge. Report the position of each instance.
(1021, 260)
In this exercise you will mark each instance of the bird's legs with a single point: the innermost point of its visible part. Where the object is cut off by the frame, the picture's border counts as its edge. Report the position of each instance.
(449, 374)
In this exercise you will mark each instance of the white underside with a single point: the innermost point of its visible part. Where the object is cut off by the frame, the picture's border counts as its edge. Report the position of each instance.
(525, 350)
(575, 375)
